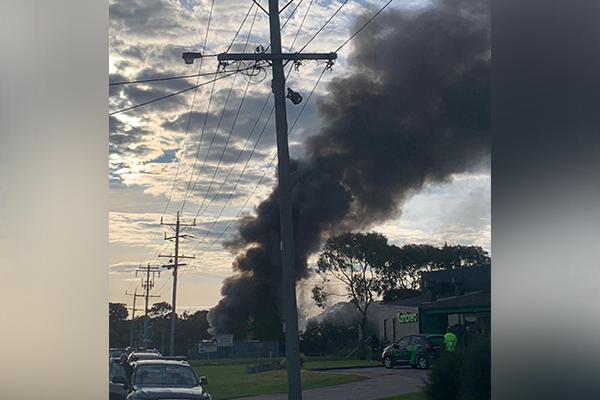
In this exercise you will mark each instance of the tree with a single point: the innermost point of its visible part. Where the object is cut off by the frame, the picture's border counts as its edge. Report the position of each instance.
(405, 264)
(117, 325)
(191, 329)
(160, 310)
(327, 337)
(117, 312)
(356, 260)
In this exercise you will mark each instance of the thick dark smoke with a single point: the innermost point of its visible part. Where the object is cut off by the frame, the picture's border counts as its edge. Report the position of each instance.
(415, 110)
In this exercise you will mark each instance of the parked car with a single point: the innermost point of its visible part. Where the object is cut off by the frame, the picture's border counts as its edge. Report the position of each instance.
(166, 379)
(116, 352)
(415, 350)
(143, 355)
(117, 381)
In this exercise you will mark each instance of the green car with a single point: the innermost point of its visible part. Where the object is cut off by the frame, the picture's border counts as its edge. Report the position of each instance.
(415, 350)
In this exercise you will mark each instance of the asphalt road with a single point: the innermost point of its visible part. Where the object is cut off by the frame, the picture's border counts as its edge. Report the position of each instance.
(382, 382)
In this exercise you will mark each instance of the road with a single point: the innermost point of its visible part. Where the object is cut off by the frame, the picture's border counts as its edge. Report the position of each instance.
(382, 382)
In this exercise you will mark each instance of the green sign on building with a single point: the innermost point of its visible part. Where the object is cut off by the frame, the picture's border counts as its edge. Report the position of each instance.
(406, 318)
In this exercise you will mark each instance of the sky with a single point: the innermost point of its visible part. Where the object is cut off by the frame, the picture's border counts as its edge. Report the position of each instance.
(208, 153)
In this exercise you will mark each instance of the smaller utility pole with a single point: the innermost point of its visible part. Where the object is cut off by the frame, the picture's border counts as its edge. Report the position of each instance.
(174, 264)
(133, 310)
(147, 285)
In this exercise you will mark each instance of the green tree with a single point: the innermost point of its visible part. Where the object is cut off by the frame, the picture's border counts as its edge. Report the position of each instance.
(356, 260)
(191, 329)
(159, 324)
(405, 264)
(118, 332)
(160, 310)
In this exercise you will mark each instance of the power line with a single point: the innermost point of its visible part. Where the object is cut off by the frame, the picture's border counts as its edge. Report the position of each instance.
(241, 26)
(244, 148)
(224, 149)
(364, 26)
(323, 27)
(288, 19)
(314, 36)
(301, 24)
(185, 197)
(244, 169)
(187, 127)
(259, 182)
(234, 188)
(232, 126)
(199, 144)
(162, 79)
(189, 191)
(172, 94)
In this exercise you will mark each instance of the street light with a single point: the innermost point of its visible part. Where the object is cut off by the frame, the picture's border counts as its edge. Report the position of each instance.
(189, 57)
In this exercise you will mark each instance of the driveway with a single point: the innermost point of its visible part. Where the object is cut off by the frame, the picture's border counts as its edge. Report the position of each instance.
(382, 382)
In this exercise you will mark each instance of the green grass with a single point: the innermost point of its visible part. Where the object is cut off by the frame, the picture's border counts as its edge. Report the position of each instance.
(229, 380)
(406, 396)
(233, 361)
(335, 362)
(308, 362)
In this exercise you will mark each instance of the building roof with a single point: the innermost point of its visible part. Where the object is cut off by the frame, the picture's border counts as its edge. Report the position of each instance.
(468, 300)
(473, 282)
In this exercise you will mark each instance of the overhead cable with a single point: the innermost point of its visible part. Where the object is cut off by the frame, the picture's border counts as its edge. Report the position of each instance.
(172, 94)
(364, 26)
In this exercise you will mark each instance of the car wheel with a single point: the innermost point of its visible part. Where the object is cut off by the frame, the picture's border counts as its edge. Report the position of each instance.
(387, 362)
(422, 361)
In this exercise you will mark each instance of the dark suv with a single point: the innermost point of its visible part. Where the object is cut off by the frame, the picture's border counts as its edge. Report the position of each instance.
(415, 350)
(166, 379)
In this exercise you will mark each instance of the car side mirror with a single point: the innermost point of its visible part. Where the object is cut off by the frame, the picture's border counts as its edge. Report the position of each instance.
(203, 380)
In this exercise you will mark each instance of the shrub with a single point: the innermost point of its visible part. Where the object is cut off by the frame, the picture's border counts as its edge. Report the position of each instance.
(464, 374)
(476, 376)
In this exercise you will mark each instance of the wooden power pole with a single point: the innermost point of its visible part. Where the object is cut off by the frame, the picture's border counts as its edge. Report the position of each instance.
(276, 59)
(133, 310)
(147, 284)
(174, 264)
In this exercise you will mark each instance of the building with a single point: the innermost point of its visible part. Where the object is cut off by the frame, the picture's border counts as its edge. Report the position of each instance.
(459, 298)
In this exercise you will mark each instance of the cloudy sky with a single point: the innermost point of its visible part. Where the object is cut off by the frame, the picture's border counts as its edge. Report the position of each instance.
(208, 153)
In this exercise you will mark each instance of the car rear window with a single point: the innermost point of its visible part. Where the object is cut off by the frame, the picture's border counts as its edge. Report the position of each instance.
(165, 375)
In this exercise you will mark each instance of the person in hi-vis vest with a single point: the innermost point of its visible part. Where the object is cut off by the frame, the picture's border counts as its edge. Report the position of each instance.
(450, 340)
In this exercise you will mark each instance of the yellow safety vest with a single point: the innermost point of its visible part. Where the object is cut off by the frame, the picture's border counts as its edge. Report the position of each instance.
(450, 341)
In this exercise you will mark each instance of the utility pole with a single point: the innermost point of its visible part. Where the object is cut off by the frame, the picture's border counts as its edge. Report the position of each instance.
(276, 59)
(133, 310)
(174, 264)
(147, 285)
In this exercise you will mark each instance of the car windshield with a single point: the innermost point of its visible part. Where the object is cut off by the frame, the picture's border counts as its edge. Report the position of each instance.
(164, 375)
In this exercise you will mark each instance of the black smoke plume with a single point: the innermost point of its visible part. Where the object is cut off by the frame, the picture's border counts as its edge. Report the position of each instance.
(415, 110)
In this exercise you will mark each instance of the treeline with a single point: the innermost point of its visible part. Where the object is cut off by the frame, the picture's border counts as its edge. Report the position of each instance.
(190, 328)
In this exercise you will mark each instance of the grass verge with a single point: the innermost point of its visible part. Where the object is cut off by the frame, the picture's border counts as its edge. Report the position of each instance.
(406, 396)
(336, 362)
(230, 380)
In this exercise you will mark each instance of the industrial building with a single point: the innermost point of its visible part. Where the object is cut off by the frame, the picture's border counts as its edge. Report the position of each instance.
(459, 298)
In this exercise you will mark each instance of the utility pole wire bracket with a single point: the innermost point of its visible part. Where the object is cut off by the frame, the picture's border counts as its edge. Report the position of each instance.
(261, 7)
(224, 57)
(284, 7)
